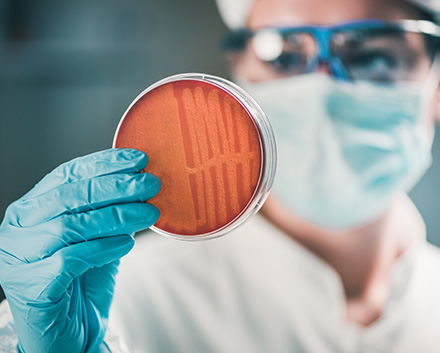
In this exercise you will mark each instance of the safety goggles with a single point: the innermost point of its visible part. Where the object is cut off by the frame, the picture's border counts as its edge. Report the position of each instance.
(373, 50)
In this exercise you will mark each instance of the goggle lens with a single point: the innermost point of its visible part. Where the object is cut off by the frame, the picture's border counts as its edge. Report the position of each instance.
(290, 54)
(382, 55)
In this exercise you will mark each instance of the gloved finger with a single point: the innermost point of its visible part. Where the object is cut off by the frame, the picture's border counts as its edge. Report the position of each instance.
(47, 238)
(99, 286)
(72, 261)
(115, 160)
(47, 280)
(83, 196)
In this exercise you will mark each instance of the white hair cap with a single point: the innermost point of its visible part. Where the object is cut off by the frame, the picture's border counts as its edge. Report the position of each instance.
(431, 6)
(235, 12)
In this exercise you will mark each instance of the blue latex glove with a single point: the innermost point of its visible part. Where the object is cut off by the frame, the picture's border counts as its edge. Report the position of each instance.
(60, 246)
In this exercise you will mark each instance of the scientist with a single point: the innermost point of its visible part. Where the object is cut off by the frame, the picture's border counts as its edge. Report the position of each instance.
(337, 261)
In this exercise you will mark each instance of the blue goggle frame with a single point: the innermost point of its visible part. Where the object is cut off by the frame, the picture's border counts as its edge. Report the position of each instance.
(237, 40)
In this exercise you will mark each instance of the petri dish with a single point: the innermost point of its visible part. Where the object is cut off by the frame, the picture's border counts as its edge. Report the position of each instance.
(211, 145)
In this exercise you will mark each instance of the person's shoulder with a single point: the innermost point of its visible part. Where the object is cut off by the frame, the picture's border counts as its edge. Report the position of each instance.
(253, 250)
(252, 243)
(154, 252)
(157, 250)
(431, 253)
(427, 268)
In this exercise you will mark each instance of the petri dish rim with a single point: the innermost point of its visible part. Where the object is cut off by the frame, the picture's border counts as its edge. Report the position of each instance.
(267, 149)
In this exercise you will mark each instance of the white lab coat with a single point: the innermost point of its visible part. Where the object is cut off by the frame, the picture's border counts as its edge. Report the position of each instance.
(255, 290)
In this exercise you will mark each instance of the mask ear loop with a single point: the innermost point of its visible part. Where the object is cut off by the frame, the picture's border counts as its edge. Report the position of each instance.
(427, 94)
(432, 82)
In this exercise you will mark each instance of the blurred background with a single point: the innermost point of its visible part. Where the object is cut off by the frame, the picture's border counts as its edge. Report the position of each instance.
(69, 69)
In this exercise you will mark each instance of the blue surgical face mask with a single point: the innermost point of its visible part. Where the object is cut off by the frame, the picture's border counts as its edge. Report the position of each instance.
(344, 150)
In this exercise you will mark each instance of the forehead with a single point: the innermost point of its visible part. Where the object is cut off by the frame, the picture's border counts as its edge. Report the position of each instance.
(324, 12)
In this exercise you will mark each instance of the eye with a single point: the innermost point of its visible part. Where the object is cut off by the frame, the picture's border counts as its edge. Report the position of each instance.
(372, 60)
(289, 62)
(268, 44)
(371, 64)
(285, 53)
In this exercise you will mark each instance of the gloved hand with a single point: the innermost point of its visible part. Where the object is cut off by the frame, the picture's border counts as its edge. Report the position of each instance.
(60, 245)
